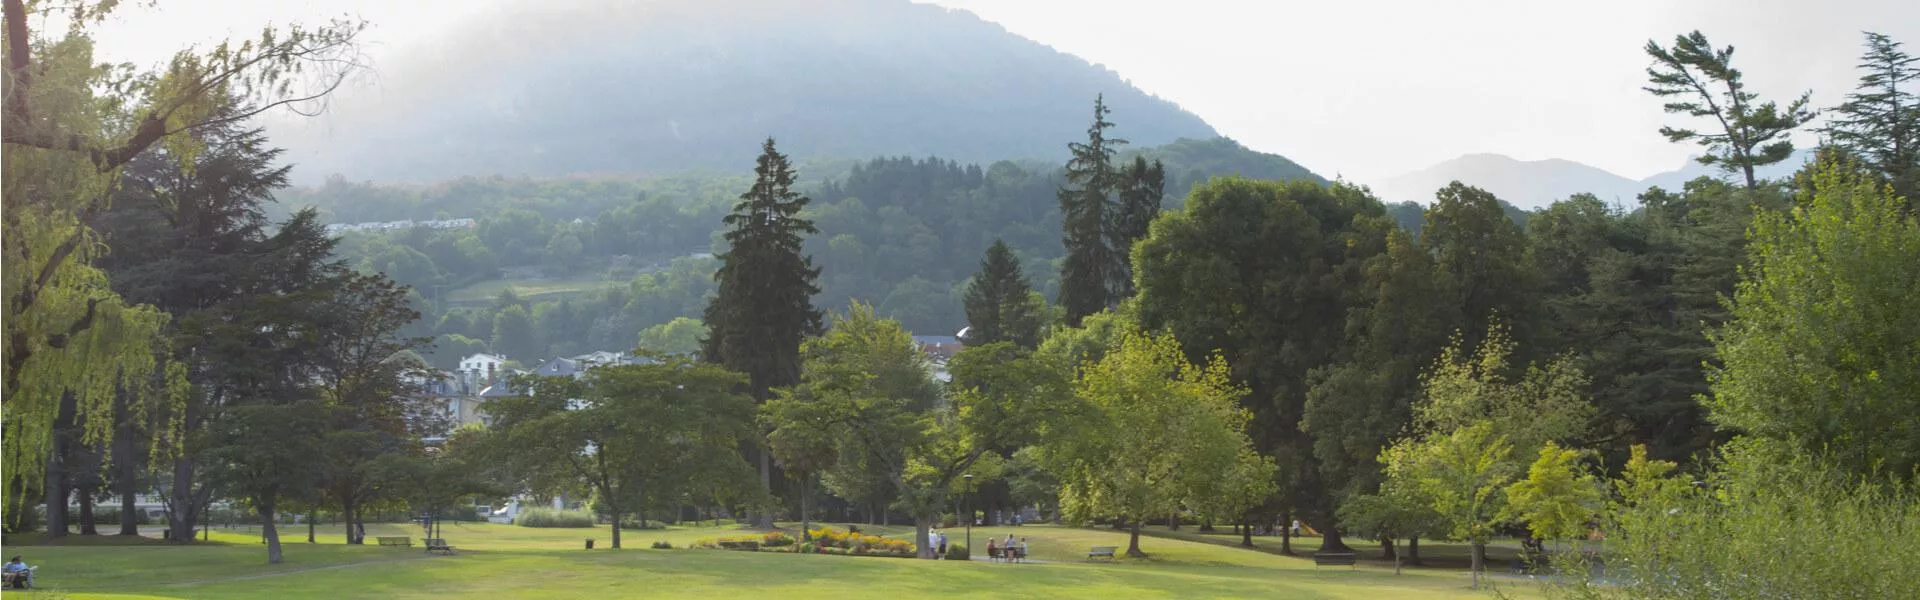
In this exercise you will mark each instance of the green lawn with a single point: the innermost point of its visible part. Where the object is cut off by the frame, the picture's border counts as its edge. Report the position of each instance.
(530, 289)
(505, 561)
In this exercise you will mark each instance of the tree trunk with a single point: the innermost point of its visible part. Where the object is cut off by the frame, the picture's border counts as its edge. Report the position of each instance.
(86, 511)
(346, 514)
(1330, 540)
(127, 478)
(1286, 534)
(1173, 521)
(1479, 562)
(616, 528)
(1133, 540)
(1206, 526)
(1386, 548)
(56, 487)
(312, 521)
(268, 533)
(186, 507)
(806, 525)
(1413, 551)
(762, 517)
(921, 539)
(1246, 533)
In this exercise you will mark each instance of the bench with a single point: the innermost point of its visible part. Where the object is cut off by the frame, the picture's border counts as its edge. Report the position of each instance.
(1338, 559)
(1106, 551)
(438, 545)
(395, 541)
(748, 546)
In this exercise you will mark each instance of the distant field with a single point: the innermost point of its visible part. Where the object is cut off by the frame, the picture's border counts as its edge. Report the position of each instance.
(505, 561)
(531, 289)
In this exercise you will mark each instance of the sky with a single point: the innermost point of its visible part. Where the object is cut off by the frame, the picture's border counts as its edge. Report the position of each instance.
(1361, 89)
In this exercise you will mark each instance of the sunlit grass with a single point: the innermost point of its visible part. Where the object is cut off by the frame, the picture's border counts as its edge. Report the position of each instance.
(505, 561)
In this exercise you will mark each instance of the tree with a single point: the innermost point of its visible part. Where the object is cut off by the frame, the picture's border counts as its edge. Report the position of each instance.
(679, 336)
(999, 303)
(1087, 209)
(1482, 259)
(1880, 121)
(1464, 474)
(1558, 498)
(1210, 272)
(1157, 431)
(514, 335)
(1141, 188)
(69, 125)
(267, 451)
(630, 432)
(1819, 354)
(371, 383)
(1748, 134)
(763, 308)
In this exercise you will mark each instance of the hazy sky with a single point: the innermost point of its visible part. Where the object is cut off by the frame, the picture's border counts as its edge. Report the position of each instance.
(1362, 89)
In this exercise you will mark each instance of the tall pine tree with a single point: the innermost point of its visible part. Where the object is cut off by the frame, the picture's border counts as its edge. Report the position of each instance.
(1143, 185)
(1880, 121)
(764, 305)
(999, 302)
(1085, 205)
(1704, 83)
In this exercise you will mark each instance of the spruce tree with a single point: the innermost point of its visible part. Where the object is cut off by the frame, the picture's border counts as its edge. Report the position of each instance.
(1142, 186)
(1086, 203)
(999, 302)
(1880, 121)
(763, 307)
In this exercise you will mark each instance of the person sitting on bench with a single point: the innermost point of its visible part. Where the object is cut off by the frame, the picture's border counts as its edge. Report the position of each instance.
(18, 574)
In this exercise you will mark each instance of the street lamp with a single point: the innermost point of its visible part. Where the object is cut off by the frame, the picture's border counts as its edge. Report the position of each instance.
(969, 504)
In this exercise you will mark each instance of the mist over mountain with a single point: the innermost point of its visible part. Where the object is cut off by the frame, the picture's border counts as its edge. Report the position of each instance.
(646, 88)
(1532, 184)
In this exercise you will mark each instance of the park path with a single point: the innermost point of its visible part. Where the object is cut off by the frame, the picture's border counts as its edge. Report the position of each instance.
(1024, 561)
(253, 576)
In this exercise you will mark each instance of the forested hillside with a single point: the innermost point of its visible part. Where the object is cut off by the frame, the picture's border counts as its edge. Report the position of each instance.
(661, 87)
(598, 260)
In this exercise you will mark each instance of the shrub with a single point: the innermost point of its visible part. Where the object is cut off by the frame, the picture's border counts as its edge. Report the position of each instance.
(663, 545)
(776, 539)
(110, 517)
(958, 552)
(547, 517)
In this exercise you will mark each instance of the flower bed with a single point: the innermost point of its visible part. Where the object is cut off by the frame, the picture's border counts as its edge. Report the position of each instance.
(826, 540)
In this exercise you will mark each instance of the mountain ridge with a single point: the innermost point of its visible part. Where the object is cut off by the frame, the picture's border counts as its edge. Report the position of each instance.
(1534, 184)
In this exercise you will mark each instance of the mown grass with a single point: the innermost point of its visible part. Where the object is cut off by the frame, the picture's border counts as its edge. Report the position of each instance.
(505, 561)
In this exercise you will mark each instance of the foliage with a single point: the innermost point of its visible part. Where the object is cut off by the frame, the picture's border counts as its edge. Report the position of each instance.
(1158, 432)
(1000, 304)
(1880, 121)
(1558, 498)
(1209, 274)
(679, 336)
(1086, 207)
(662, 545)
(1823, 353)
(549, 517)
(1751, 134)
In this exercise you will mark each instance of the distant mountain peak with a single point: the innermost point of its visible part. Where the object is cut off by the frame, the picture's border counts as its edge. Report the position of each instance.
(552, 89)
(1532, 184)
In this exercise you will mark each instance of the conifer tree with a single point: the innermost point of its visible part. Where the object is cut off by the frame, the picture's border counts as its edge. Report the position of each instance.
(999, 302)
(763, 307)
(1086, 204)
(1880, 121)
(1142, 186)
(1702, 78)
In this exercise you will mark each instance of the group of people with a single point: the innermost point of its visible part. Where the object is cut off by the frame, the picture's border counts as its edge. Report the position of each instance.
(17, 574)
(1011, 550)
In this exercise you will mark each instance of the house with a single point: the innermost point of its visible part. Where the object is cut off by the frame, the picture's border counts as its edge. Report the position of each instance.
(483, 369)
(941, 346)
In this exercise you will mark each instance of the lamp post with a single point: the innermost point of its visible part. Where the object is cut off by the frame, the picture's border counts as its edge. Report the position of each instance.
(969, 504)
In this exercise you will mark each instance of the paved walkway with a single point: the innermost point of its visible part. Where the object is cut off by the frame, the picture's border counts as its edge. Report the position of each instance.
(1024, 561)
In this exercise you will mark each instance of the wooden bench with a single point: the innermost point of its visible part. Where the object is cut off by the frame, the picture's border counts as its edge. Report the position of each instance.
(395, 541)
(1106, 551)
(1338, 559)
(748, 546)
(438, 545)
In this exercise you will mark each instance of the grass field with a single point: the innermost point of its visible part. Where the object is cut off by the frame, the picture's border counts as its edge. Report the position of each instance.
(529, 289)
(505, 561)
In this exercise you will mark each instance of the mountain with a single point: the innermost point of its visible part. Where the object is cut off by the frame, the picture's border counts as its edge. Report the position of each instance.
(581, 88)
(1528, 184)
(1532, 184)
